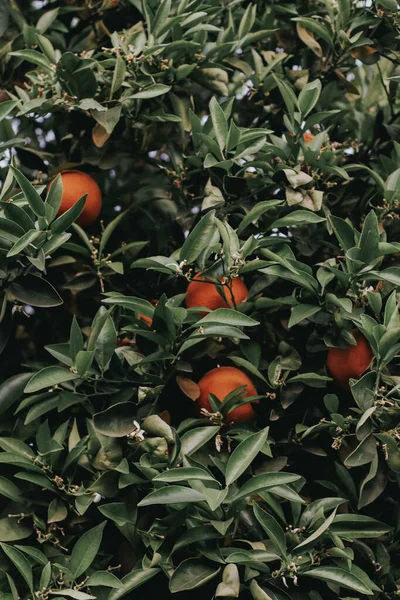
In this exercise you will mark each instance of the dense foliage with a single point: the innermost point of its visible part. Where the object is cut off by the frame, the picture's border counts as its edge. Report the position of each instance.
(254, 139)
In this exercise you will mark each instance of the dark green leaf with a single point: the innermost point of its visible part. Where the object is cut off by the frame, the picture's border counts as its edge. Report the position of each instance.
(85, 550)
(192, 573)
(35, 291)
(173, 494)
(244, 455)
(32, 197)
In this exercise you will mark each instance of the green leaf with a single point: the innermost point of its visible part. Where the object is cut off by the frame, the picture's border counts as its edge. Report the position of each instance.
(117, 420)
(192, 573)
(220, 124)
(10, 230)
(196, 534)
(48, 377)
(75, 77)
(17, 446)
(35, 291)
(32, 197)
(8, 489)
(318, 532)
(66, 219)
(109, 230)
(339, 577)
(238, 360)
(152, 91)
(74, 594)
(256, 212)
(258, 593)
(230, 585)
(196, 438)
(392, 275)
(19, 216)
(75, 339)
(85, 550)
(40, 409)
(199, 238)
(301, 312)
(133, 580)
(57, 511)
(316, 27)
(6, 107)
(12, 389)
(247, 21)
(104, 578)
(184, 474)
(244, 454)
(20, 562)
(106, 343)
(173, 494)
(363, 454)
(227, 316)
(272, 528)
(358, 526)
(23, 242)
(288, 95)
(11, 530)
(263, 482)
(309, 96)
(34, 57)
(296, 219)
(118, 75)
(369, 239)
(389, 5)
(131, 303)
(119, 512)
(311, 379)
(34, 553)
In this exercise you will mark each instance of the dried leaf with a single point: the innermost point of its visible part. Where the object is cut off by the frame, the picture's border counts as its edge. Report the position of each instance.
(188, 387)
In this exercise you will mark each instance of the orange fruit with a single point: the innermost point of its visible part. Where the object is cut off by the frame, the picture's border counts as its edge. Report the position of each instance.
(202, 293)
(75, 185)
(308, 137)
(349, 363)
(222, 381)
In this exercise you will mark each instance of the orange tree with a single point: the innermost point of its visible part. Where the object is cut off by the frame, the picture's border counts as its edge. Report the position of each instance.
(239, 439)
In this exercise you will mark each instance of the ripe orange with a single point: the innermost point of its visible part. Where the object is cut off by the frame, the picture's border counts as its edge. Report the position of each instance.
(351, 362)
(220, 382)
(202, 293)
(308, 137)
(75, 185)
